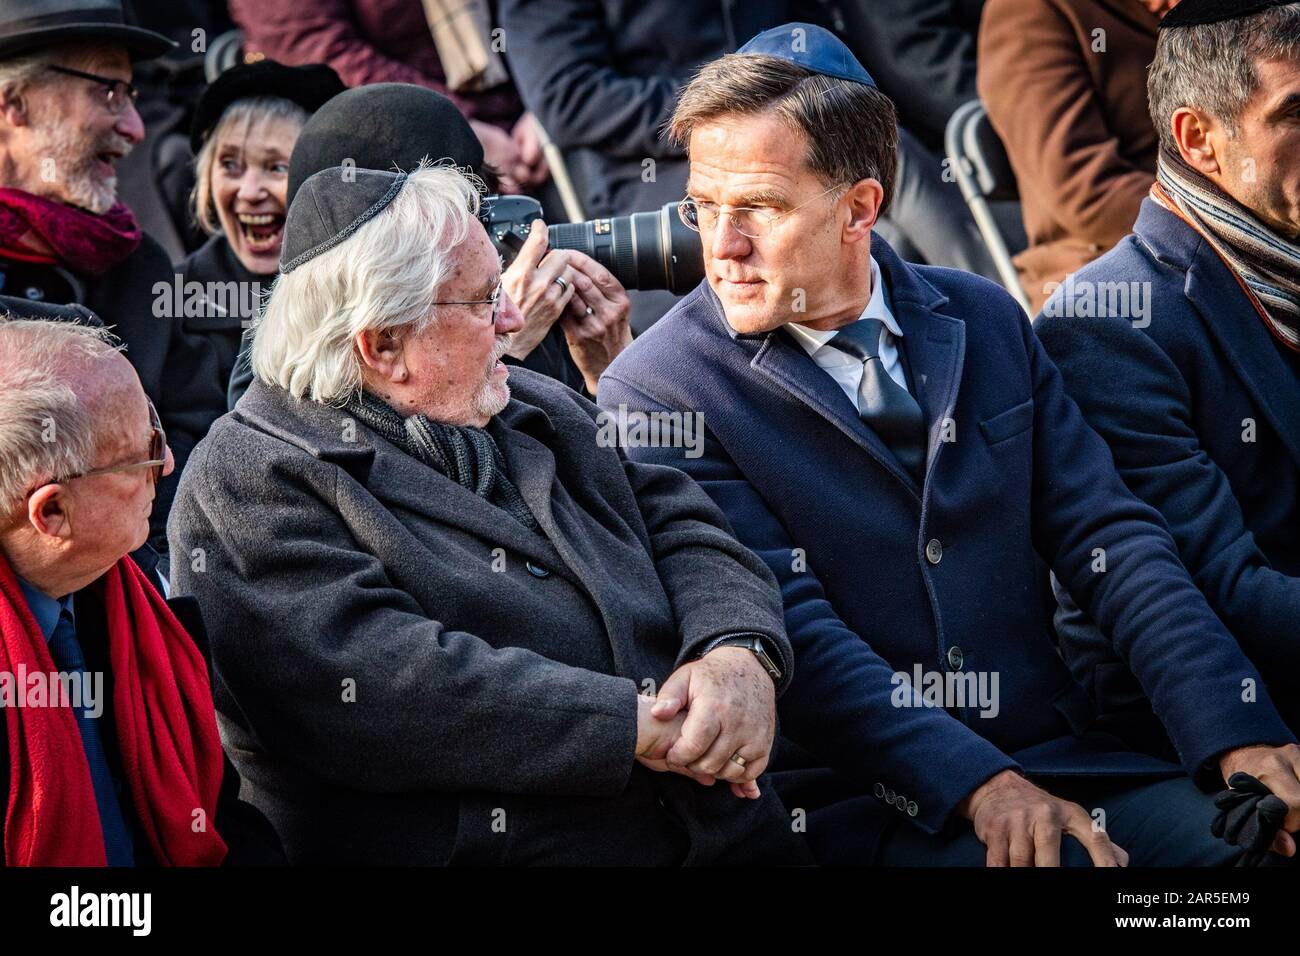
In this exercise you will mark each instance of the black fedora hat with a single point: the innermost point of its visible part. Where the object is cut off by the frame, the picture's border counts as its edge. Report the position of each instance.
(27, 25)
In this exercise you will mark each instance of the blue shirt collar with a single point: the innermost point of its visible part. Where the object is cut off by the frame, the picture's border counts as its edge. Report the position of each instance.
(46, 609)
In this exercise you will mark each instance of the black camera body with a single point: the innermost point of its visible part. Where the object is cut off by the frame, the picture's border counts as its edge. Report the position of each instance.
(646, 250)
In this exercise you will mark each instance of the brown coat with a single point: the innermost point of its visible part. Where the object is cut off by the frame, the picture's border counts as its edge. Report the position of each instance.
(1070, 104)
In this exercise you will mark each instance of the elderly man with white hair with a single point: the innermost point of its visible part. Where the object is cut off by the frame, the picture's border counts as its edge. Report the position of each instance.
(109, 752)
(441, 604)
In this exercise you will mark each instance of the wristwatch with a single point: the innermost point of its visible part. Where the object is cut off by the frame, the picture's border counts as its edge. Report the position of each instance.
(755, 643)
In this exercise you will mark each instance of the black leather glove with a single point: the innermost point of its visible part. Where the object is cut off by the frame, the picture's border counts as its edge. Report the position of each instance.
(1249, 817)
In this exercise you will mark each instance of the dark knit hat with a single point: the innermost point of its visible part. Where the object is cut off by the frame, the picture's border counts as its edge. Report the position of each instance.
(331, 205)
(384, 126)
(1194, 13)
(309, 86)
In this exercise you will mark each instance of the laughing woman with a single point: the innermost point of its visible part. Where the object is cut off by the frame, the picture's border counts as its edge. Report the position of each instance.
(244, 130)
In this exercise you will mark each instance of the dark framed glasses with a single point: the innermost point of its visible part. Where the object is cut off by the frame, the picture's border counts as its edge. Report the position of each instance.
(157, 454)
(118, 93)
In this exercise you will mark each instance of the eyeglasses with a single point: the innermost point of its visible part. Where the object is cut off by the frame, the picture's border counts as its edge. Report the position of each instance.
(157, 454)
(748, 221)
(118, 93)
(494, 300)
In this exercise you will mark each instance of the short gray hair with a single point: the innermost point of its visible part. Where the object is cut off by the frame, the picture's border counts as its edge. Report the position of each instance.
(851, 128)
(246, 112)
(20, 72)
(384, 276)
(46, 430)
(1211, 67)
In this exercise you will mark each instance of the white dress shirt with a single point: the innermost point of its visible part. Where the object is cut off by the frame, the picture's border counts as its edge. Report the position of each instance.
(846, 369)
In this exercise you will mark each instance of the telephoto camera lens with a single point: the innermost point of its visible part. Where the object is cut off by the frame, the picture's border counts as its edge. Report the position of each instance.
(646, 250)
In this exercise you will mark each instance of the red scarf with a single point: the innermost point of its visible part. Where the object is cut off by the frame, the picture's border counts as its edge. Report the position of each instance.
(36, 229)
(166, 732)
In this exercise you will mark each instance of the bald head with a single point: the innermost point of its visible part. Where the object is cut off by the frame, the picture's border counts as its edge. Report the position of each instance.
(68, 394)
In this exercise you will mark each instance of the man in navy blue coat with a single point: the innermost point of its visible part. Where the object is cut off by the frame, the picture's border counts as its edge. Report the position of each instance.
(1182, 347)
(909, 487)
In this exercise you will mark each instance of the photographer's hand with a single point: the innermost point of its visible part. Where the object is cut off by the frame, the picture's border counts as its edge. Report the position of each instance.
(530, 283)
(595, 324)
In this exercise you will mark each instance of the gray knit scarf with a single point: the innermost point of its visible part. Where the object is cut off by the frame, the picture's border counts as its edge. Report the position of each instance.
(1267, 265)
(468, 456)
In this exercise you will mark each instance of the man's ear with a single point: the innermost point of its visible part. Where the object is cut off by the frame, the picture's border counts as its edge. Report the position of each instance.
(1192, 132)
(48, 513)
(383, 353)
(864, 200)
(14, 110)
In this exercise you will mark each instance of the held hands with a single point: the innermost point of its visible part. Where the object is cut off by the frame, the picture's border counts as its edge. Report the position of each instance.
(1278, 768)
(1022, 825)
(708, 710)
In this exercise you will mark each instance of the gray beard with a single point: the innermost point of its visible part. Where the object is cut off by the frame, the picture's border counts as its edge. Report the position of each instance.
(73, 169)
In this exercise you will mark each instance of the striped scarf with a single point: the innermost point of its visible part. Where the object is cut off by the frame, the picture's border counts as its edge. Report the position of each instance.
(468, 456)
(1266, 265)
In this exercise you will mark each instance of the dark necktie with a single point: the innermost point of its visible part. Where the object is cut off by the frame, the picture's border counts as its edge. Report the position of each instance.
(887, 408)
(68, 658)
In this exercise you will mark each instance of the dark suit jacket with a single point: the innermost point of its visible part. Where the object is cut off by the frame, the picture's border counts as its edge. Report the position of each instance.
(494, 670)
(1176, 401)
(1024, 481)
(1070, 106)
(249, 837)
(921, 53)
(602, 76)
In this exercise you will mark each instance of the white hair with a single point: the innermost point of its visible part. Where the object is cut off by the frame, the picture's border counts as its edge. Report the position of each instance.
(46, 430)
(385, 276)
(19, 72)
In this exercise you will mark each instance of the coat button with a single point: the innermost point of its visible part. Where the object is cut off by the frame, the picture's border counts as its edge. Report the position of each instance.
(880, 790)
(536, 571)
(956, 658)
(934, 551)
(35, 293)
(901, 802)
(912, 808)
(889, 795)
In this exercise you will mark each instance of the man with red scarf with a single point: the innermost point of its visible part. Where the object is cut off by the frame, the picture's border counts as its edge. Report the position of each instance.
(109, 752)
(1182, 347)
(67, 115)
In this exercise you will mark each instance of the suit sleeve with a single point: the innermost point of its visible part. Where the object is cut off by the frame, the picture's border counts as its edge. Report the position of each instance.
(1160, 458)
(559, 53)
(336, 669)
(1064, 153)
(1115, 556)
(840, 707)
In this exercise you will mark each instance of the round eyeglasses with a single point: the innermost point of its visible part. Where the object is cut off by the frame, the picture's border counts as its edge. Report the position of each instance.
(749, 221)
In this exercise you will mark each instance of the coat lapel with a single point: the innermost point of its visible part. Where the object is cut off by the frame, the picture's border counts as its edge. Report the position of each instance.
(933, 343)
(1245, 339)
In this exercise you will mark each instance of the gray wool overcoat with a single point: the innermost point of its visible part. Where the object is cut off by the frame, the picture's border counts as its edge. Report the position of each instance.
(404, 674)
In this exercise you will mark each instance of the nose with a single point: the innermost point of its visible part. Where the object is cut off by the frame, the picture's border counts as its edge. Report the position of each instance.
(509, 318)
(251, 187)
(129, 125)
(170, 459)
(727, 241)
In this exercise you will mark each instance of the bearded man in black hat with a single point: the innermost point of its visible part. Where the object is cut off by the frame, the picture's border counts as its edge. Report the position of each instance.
(67, 116)
(1198, 395)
